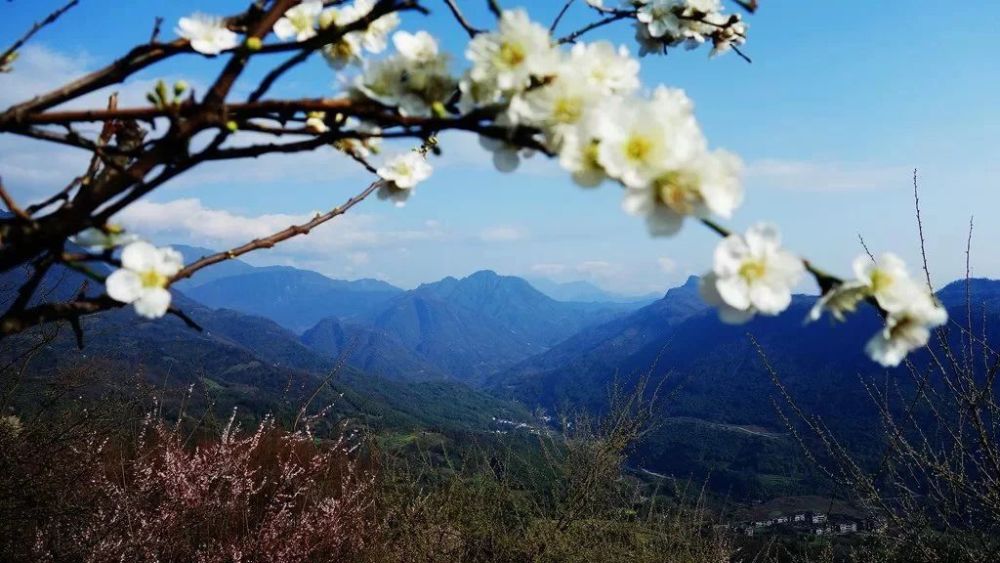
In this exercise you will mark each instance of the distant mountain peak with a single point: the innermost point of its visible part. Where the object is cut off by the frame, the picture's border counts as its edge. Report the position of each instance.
(484, 274)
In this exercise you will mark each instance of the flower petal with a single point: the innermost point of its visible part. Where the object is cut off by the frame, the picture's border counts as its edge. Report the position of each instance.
(152, 303)
(140, 256)
(123, 285)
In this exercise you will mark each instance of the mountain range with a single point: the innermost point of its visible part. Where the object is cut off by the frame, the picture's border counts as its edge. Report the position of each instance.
(457, 353)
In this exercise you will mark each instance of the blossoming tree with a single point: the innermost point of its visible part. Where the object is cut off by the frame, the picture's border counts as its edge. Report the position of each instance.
(522, 89)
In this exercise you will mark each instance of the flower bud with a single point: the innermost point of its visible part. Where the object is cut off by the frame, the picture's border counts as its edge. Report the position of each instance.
(254, 43)
(161, 91)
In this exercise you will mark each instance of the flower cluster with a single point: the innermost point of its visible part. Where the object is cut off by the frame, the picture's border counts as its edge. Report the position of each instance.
(210, 35)
(579, 103)
(415, 80)
(349, 48)
(691, 23)
(910, 309)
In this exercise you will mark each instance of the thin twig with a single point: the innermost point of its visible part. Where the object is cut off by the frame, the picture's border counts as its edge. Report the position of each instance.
(50, 19)
(595, 25)
(460, 18)
(920, 230)
(559, 16)
(269, 241)
(864, 245)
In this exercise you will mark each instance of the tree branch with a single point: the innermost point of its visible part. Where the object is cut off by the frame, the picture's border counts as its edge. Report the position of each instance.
(282, 235)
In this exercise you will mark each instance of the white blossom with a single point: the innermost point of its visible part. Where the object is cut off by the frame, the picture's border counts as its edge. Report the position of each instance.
(731, 30)
(208, 34)
(707, 185)
(643, 139)
(647, 43)
(578, 155)
(299, 21)
(888, 281)
(661, 18)
(562, 102)
(406, 170)
(111, 236)
(510, 56)
(753, 274)
(142, 279)
(612, 71)
(663, 23)
(906, 330)
(414, 82)
(419, 47)
(840, 300)
(375, 37)
(348, 49)
(727, 314)
(344, 52)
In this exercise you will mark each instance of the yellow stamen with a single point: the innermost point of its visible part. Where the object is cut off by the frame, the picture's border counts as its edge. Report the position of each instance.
(679, 191)
(638, 147)
(752, 270)
(511, 54)
(568, 110)
(152, 278)
(880, 280)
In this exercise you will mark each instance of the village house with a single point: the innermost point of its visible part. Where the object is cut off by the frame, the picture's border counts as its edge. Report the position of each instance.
(818, 518)
(848, 527)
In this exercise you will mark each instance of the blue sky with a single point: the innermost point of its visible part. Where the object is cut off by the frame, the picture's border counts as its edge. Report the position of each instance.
(841, 102)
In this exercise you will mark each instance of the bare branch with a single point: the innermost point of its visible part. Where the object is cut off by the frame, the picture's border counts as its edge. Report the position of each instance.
(12, 205)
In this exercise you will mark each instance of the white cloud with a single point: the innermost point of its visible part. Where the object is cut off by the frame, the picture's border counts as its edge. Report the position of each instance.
(358, 258)
(40, 69)
(503, 233)
(823, 176)
(596, 268)
(667, 265)
(189, 221)
(548, 269)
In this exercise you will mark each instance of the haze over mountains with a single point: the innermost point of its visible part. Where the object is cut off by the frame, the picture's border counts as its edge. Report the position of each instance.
(457, 352)
(464, 328)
